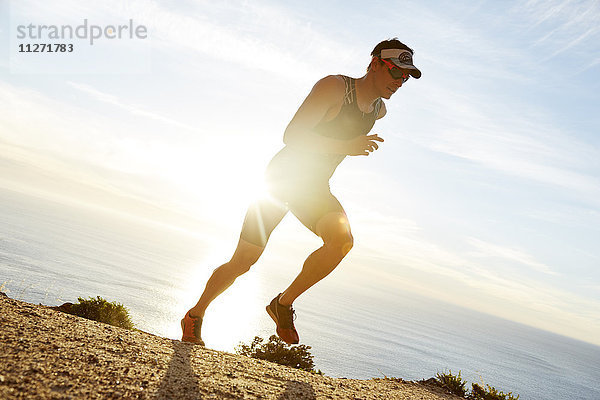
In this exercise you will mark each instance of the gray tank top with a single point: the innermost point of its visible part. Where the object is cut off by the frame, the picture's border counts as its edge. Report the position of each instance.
(294, 164)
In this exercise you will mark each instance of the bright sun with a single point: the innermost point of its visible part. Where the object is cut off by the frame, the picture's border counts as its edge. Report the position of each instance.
(220, 179)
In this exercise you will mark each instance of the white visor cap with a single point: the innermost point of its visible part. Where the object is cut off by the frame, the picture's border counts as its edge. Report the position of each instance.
(403, 59)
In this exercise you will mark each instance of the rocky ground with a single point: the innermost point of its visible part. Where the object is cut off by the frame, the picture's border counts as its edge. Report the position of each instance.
(46, 354)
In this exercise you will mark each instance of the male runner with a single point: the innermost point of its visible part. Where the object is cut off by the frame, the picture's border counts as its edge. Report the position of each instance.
(333, 122)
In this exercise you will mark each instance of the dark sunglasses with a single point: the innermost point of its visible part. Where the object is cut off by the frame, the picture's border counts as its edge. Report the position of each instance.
(396, 72)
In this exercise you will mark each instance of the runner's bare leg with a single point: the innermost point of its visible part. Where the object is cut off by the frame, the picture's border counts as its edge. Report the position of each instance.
(334, 229)
(246, 254)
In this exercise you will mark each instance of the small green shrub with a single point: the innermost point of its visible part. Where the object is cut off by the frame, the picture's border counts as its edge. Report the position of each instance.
(491, 393)
(277, 351)
(453, 383)
(98, 309)
(456, 385)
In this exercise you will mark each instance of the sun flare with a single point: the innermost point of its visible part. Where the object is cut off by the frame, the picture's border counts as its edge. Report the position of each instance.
(218, 180)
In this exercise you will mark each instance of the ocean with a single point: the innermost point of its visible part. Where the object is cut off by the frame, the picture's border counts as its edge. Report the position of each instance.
(52, 253)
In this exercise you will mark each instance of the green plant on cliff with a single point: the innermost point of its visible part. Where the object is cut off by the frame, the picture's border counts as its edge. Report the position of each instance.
(453, 383)
(277, 351)
(491, 393)
(98, 309)
(456, 385)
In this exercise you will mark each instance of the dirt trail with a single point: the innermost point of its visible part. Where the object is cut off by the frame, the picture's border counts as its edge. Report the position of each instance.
(46, 354)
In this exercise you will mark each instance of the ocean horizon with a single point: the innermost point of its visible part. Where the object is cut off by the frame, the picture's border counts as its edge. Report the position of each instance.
(52, 253)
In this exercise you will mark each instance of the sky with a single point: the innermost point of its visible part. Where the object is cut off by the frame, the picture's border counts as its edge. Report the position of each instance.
(485, 194)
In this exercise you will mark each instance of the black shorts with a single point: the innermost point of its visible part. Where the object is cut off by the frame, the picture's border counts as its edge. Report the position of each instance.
(308, 200)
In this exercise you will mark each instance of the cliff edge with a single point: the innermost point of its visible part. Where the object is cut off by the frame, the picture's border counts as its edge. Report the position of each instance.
(46, 354)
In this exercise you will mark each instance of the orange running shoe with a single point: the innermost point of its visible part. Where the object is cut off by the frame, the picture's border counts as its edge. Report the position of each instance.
(191, 329)
(284, 318)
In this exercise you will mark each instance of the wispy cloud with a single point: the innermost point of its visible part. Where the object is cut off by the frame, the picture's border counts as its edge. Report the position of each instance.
(477, 274)
(133, 109)
(54, 125)
(258, 35)
(229, 32)
(506, 279)
(563, 25)
(508, 254)
(509, 136)
(476, 99)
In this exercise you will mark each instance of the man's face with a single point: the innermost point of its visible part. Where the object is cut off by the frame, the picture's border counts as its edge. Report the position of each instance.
(386, 83)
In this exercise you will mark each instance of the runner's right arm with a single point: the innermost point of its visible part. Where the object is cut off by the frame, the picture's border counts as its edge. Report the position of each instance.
(325, 97)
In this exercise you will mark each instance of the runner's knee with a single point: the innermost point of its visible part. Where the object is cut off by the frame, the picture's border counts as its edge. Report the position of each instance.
(336, 234)
(340, 241)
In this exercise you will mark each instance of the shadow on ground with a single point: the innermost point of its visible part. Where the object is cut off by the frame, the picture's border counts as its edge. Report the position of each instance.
(297, 390)
(180, 381)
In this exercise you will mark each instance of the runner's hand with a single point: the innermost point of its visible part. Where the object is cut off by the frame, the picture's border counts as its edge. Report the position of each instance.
(363, 145)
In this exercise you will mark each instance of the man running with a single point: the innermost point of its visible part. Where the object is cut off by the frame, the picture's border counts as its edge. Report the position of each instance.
(333, 122)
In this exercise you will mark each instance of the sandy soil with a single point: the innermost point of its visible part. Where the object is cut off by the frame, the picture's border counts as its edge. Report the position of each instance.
(46, 354)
